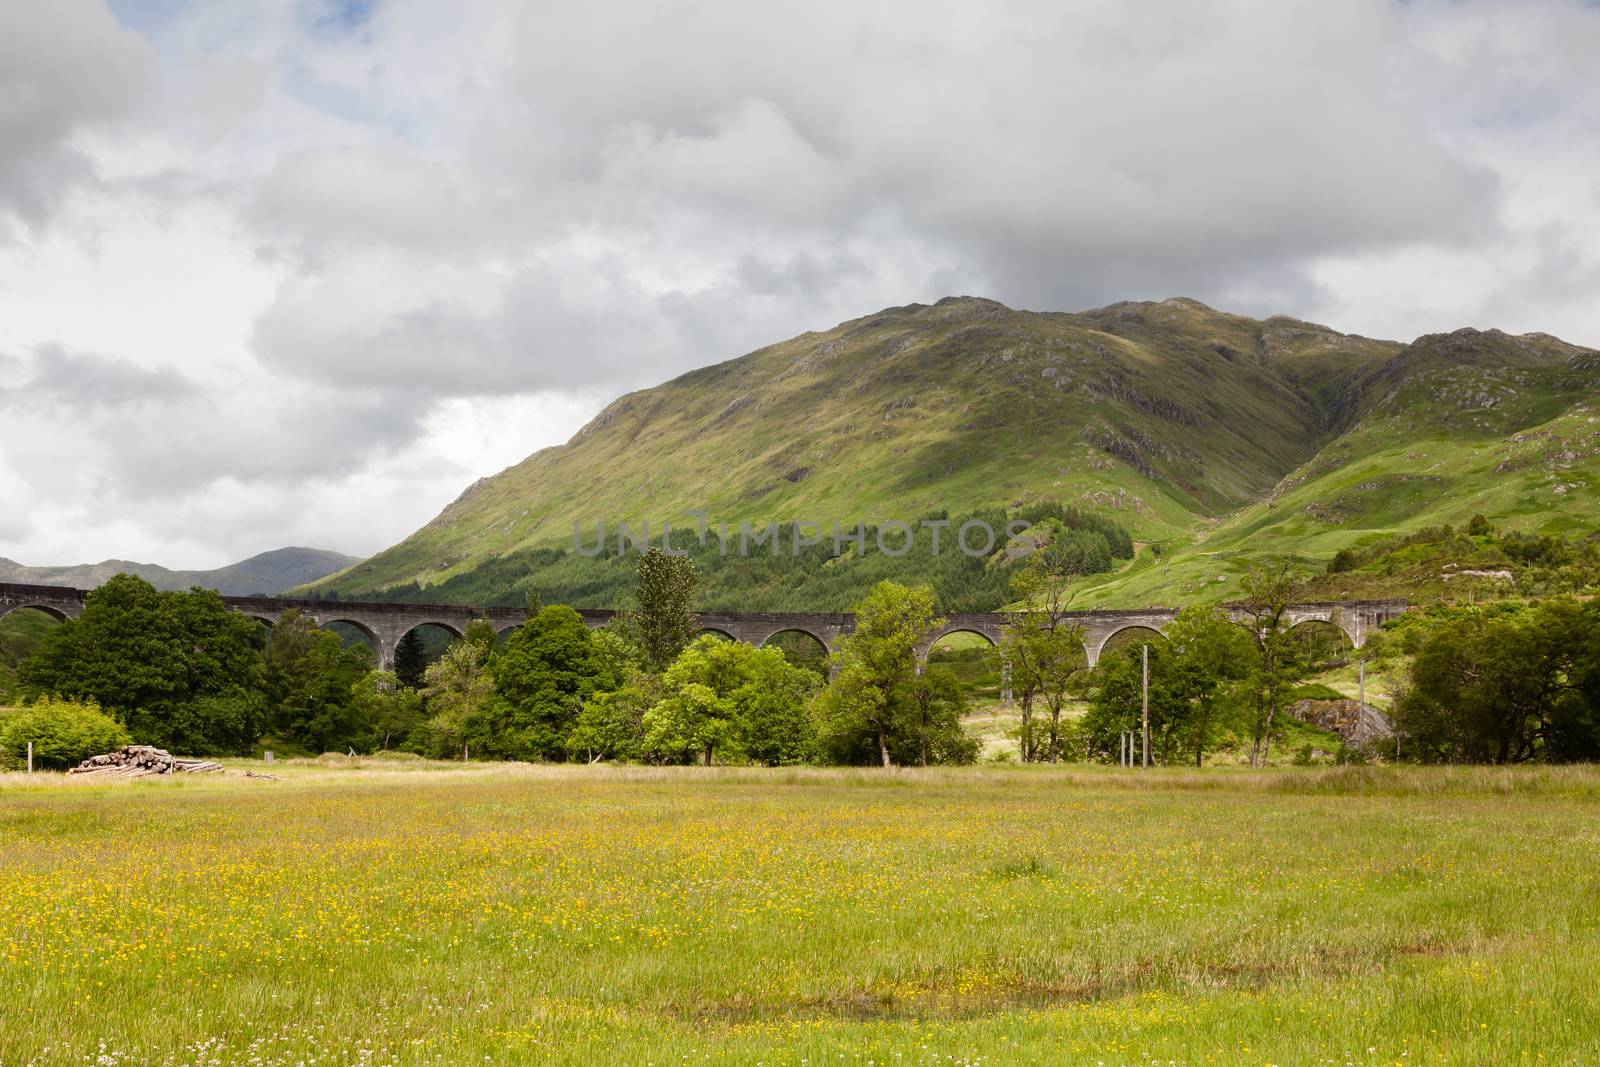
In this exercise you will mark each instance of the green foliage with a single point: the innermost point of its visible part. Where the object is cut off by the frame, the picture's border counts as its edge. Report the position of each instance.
(1200, 675)
(1280, 660)
(410, 660)
(459, 691)
(547, 668)
(664, 619)
(872, 711)
(1042, 645)
(142, 655)
(309, 680)
(64, 733)
(1507, 686)
(692, 721)
(218, 724)
(730, 699)
(933, 732)
(610, 726)
(388, 711)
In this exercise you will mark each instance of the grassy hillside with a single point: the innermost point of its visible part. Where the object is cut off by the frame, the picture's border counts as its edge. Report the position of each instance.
(268, 572)
(1211, 437)
(20, 633)
(1459, 425)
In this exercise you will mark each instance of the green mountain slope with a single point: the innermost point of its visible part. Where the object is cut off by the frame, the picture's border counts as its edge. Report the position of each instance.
(268, 572)
(1457, 425)
(1218, 436)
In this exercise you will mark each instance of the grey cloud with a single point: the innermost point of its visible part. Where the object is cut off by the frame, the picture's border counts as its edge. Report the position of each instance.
(1049, 157)
(65, 65)
(140, 433)
(61, 379)
(276, 441)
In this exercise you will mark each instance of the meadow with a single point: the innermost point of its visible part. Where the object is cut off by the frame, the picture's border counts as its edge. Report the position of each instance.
(372, 912)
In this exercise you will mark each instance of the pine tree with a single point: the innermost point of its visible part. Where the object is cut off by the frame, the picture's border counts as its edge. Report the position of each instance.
(665, 617)
(410, 661)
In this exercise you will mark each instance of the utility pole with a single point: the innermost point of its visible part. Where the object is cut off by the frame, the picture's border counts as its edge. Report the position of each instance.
(1361, 659)
(1144, 699)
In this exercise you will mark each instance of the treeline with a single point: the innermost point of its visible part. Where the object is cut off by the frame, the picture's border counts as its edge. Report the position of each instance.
(1511, 682)
(181, 671)
(773, 575)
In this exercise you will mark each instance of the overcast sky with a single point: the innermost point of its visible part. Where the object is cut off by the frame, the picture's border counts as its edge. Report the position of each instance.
(297, 272)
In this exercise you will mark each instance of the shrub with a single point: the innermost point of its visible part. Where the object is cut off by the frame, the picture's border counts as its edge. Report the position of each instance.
(63, 734)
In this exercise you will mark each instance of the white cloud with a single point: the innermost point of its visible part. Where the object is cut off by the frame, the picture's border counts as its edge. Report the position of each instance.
(297, 272)
(66, 66)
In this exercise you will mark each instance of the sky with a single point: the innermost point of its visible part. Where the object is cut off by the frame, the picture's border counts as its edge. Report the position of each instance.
(299, 271)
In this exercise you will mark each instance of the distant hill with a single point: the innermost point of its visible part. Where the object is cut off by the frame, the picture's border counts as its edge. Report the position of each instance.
(1213, 438)
(268, 573)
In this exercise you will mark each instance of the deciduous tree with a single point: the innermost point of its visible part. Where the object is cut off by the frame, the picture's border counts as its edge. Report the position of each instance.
(869, 702)
(1269, 588)
(1041, 644)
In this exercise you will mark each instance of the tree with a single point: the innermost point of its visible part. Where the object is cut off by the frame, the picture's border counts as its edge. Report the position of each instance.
(733, 699)
(547, 668)
(481, 633)
(1212, 659)
(309, 677)
(142, 654)
(388, 710)
(410, 660)
(691, 721)
(1505, 685)
(939, 704)
(1195, 671)
(1269, 588)
(610, 726)
(664, 618)
(868, 707)
(218, 724)
(1041, 643)
(459, 691)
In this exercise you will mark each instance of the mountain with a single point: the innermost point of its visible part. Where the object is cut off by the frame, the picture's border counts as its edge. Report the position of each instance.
(1217, 437)
(268, 573)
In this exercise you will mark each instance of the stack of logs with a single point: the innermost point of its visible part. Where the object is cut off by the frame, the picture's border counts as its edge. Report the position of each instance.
(136, 761)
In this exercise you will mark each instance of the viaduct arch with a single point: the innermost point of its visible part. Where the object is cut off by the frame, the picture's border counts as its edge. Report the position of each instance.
(388, 623)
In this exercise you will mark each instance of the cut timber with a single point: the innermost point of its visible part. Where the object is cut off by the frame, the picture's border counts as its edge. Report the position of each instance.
(136, 761)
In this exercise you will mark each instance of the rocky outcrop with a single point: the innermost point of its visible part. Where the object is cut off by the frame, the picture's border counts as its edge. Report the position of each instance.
(1359, 724)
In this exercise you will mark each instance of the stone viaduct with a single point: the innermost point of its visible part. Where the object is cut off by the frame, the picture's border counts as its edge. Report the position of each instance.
(385, 624)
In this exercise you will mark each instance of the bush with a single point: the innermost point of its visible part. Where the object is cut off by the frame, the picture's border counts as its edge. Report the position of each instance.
(64, 734)
(1343, 560)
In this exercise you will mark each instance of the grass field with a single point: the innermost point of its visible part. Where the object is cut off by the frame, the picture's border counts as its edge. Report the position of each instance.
(438, 914)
